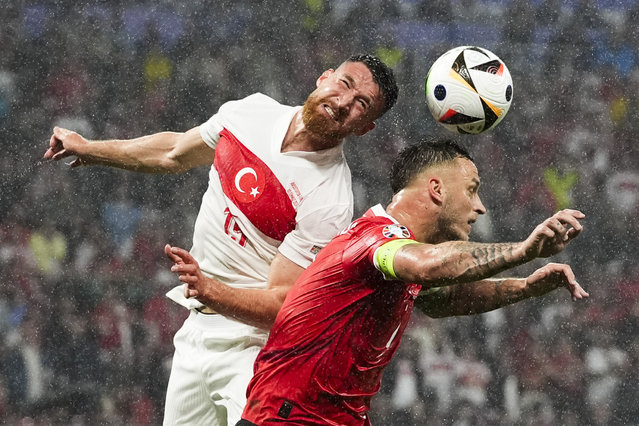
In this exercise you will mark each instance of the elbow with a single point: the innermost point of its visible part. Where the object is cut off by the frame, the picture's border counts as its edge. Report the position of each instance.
(267, 319)
(436, 274)
(272, 309)
(432, 267)
(171, 164)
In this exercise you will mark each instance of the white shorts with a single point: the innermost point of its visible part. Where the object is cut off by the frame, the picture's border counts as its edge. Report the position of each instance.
(212, 366)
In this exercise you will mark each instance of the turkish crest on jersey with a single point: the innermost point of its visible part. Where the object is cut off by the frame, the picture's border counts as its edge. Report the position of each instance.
(253, 187)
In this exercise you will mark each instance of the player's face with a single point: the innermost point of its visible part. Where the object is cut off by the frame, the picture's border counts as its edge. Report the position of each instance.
(462, 204)
(345, 102)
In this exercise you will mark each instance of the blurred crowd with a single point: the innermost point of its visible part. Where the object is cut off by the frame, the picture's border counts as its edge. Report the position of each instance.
(85, 329)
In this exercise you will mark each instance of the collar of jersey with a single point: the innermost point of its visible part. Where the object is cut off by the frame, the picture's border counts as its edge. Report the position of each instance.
(378, 210)
(322, 157)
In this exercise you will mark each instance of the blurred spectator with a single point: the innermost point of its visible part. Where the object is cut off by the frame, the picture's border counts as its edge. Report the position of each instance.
(114, 334)
(408, 398)
(49, 248)
(625, 409)
(25, 364)
(121, 217)
(605, 363)
(472, 377)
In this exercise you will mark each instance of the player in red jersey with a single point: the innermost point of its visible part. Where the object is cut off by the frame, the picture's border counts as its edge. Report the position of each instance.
(343, 320)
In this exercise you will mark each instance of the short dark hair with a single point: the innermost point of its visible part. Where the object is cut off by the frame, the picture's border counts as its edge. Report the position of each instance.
(413, 159)
(383, 76)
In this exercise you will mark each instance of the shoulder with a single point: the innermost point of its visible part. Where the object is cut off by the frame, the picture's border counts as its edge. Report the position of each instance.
(260, 98)
(370, 232)
(258, 112)
(379, 240)
(358, 243)
(373, 232)
(256, 100)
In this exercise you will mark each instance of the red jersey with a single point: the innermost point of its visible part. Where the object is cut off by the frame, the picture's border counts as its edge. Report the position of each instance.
(338, 328)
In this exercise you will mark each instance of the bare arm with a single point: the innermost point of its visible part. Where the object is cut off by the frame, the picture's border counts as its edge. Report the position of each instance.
(165, 152)
(257, 307)
(486, 295)
(454, 262)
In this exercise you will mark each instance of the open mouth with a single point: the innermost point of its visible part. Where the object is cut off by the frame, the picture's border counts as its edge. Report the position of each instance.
(330, 112)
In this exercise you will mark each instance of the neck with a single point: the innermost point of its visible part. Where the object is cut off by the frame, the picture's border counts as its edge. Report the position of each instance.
(299, 138)
(409, 212)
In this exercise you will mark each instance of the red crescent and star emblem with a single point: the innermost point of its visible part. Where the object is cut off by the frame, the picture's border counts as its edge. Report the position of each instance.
(248, 184)
(253, 188)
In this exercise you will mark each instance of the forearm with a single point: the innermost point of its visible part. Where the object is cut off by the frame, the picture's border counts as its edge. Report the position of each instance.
(149, 154)
(473, 298)
(457, 262)
(256, 307)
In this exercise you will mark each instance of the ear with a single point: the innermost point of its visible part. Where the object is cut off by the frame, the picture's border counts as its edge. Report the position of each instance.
(324, 76)
(361, 132)
(436, 190)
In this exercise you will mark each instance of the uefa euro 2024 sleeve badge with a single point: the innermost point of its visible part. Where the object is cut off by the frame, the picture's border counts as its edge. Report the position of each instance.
(395, 230)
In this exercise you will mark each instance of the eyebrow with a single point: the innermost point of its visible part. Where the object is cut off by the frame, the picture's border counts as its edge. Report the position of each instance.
(351, 80)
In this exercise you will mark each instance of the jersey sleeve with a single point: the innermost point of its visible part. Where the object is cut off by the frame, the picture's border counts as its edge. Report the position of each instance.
(384, 256)
(230, 112)
(314, 229)
(210, 130)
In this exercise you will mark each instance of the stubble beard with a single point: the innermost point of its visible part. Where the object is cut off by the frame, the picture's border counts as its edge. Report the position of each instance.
(448, 228)
(314, 121)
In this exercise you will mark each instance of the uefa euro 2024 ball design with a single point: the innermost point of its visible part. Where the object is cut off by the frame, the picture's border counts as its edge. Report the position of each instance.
(469, 90)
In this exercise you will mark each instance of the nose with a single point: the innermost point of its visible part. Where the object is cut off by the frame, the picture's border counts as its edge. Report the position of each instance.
(345, 101)
(479, 206)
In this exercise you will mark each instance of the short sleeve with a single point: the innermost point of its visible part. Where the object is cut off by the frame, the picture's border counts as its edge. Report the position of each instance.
(232, 114)
(313, 231)
(210, 131)
(384, 256)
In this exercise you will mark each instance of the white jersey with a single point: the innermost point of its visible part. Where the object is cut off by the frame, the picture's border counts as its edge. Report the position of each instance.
(260, 200)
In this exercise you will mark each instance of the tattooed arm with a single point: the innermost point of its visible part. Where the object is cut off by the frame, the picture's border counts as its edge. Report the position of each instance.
(486, 295)
(454, 262)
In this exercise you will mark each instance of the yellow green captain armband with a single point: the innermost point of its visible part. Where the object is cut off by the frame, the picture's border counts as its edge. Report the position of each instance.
(385, 254)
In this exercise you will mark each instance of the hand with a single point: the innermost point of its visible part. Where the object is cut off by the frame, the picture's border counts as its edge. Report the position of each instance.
(65, 143)
(187, 269)
(554, 234)
(552, 276)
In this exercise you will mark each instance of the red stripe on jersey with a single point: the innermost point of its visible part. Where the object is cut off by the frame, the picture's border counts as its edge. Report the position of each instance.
(253, 187)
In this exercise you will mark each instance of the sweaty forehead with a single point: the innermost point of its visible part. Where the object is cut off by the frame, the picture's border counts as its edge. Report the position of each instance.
(356, 70)
(460, 169)
(360, 77)
(467, 169)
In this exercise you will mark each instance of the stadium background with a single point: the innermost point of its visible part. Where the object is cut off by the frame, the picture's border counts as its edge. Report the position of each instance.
(85, 329)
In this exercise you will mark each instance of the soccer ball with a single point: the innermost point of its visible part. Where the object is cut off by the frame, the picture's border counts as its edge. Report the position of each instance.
(469, 90)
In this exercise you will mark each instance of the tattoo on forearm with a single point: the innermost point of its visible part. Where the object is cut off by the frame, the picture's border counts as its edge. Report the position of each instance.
(435, 302)
(480, 260)
(470, 298)
(506, 292)
(492, 256)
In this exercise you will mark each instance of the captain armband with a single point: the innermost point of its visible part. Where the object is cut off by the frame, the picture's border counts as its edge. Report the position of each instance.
(385, 255)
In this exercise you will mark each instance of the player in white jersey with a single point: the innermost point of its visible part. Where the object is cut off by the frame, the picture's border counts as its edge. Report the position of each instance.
(279, 190)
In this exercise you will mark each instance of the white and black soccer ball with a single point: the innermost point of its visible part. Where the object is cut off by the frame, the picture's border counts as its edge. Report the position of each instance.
(469, 90)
